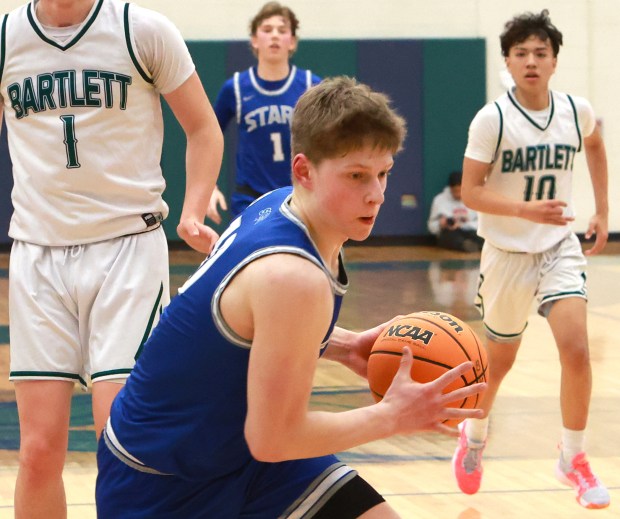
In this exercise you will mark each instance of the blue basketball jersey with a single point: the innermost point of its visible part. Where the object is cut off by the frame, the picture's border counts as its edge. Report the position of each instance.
(183, 408)
(263, 112)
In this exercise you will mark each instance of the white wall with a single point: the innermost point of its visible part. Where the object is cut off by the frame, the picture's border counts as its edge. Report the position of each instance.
(587, 64)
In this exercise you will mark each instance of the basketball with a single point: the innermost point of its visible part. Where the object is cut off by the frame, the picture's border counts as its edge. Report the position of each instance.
(438, 343)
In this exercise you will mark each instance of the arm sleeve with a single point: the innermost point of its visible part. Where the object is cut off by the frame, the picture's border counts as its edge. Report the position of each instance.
(161, 49)
(483, 135)
(585, 113)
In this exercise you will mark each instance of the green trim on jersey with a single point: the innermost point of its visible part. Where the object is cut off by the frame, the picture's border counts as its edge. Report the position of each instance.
(507, 336)
(74, 40)
(149, 326)
(3, 44)
(525, 114)
(132, 54)
(55, 374)
(574, 113)
(501, 131)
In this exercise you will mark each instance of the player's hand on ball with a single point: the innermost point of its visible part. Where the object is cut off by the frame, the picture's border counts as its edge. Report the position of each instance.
(422, 407)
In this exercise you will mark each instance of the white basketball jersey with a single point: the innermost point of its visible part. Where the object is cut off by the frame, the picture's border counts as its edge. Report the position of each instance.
(85, 129)
(532, 157)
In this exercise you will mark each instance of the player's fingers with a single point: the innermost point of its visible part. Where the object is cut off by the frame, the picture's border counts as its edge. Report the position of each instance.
(450, 376)
(404, 370)
(213, 215)
(598, 246)
(464, 392)
(449, 431)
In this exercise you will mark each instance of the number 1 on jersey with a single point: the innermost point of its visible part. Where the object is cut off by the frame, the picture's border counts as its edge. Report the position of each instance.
(278, 153)
(68, 122)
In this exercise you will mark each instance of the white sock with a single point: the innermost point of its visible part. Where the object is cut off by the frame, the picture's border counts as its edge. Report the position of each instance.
(572, 444)
(476, 430)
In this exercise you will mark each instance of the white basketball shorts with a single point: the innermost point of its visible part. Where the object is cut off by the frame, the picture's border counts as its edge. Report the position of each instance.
(510, 282)
(83, 312)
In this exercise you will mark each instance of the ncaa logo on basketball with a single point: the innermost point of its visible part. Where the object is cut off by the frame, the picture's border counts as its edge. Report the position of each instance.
(415, 333)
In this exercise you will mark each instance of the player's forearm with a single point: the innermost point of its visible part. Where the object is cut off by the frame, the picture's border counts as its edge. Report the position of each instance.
(483, 200)
(203, 161)
(339, 349)
(597, 164)
(319, 433)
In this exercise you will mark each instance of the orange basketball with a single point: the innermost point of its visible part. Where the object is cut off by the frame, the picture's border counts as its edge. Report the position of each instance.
(438, 343)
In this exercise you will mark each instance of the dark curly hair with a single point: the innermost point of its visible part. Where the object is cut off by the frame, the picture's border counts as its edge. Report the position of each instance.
(521, 27)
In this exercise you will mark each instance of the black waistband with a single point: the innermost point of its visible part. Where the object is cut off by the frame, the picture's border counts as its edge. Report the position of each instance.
(247, 190)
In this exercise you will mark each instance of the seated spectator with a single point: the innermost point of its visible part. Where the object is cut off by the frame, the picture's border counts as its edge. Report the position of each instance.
(454, 224)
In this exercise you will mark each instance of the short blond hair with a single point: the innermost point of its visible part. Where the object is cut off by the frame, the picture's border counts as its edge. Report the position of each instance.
(340, 115)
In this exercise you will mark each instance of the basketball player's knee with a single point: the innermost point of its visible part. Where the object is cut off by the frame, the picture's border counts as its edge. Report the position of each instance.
(41, 458)
(574, 355)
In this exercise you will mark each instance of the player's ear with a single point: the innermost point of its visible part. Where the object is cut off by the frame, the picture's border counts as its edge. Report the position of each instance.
(254, 42)
(293, 47)
(301, 166)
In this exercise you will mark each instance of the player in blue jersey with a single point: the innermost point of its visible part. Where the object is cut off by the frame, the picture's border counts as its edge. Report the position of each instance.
(214, 420)
(261, 101)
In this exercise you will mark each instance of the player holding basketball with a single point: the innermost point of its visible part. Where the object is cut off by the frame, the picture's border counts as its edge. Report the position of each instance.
(214, 420)
(261, 100)
(518, 171)
(80, 85)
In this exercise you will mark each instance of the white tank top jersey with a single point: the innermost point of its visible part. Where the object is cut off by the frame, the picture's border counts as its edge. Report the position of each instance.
(84, 120)
(532, 155)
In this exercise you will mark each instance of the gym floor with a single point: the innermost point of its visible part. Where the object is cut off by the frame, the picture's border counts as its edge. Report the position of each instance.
(414, 473)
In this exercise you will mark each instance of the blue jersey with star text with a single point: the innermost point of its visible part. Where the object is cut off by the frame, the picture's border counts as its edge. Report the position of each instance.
(183, 408)
(263, 111)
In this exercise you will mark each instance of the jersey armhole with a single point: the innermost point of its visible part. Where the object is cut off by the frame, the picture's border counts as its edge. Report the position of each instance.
(572, 104)
(500, 133)
(130, 49)
(237, 88)
(3, 44)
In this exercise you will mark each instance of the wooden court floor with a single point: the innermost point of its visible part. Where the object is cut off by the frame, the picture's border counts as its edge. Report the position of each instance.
(414, 473)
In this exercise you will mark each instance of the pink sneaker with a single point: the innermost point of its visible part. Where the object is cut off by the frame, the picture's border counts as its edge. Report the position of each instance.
(467, 463)
(590, 491)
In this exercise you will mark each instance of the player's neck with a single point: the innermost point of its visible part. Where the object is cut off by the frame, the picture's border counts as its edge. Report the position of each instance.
(273, 71)
(63, 13)
(532, 100)
(327, 244)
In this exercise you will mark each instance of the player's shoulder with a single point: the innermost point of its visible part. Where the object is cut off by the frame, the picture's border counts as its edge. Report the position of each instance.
(20, 12)
(304, 73)
(242, 77)
(285, 271)
(149, 19)
(579, 102)
(491, 113)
